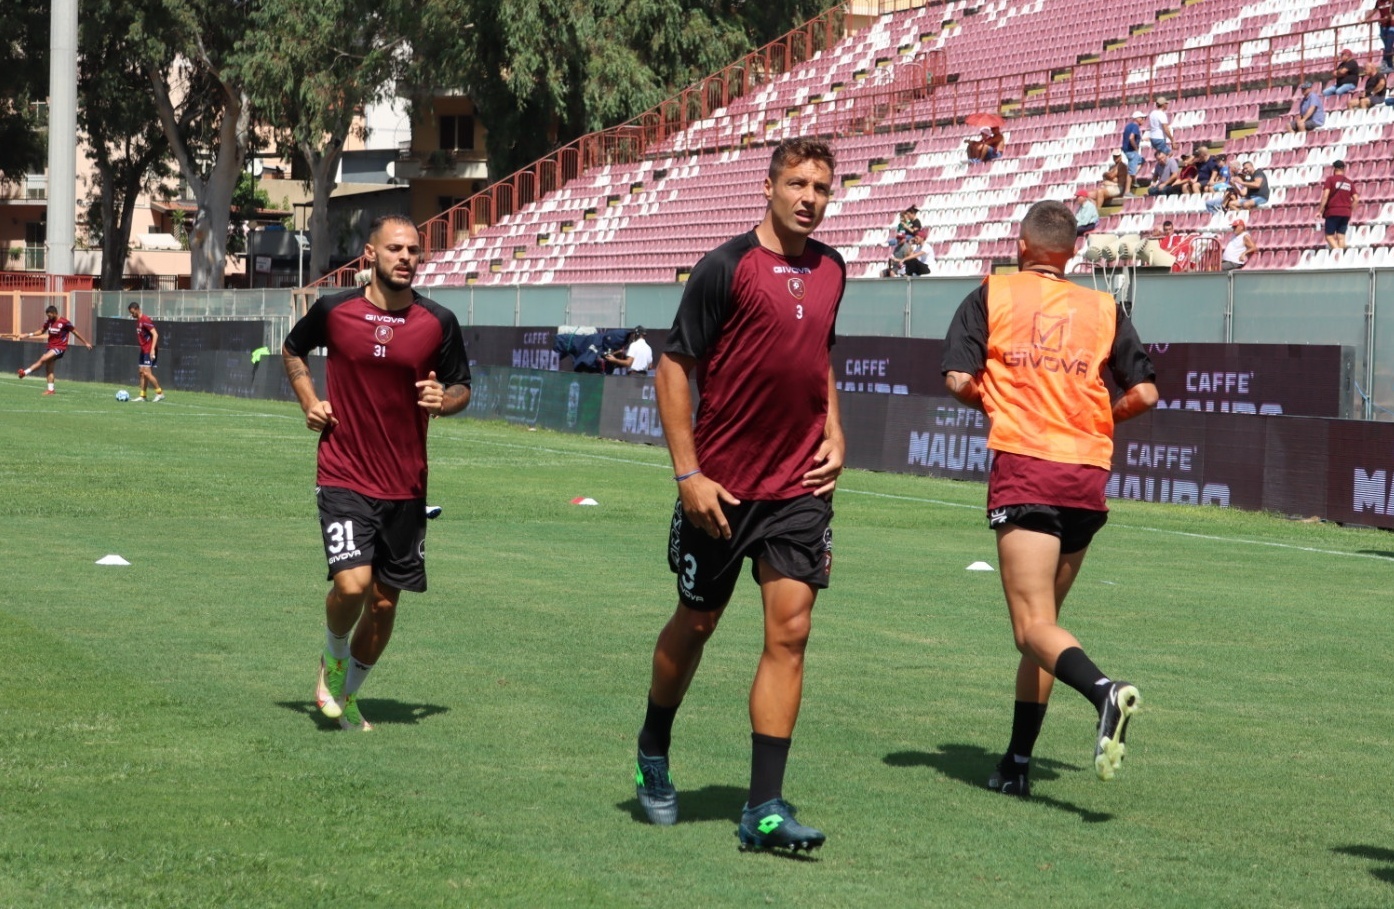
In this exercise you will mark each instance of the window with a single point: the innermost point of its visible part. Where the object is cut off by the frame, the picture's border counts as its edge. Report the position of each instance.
(456, 132)
(35, 235)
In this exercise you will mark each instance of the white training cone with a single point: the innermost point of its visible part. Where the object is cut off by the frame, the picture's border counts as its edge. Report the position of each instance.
(584, 500)
(112, 560)
(979, 566)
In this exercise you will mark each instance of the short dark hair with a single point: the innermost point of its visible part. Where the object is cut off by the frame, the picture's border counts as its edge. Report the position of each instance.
(132, 305)
(51, 309)
(1167, 223)
(1338, 165)
(795, 151)
(1050, 226)
(382, 221)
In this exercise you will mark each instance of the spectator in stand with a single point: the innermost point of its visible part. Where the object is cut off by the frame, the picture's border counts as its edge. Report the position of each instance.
(1375, 90)
(1159, 128)
(1338, 201)
(1087, 215)
(912, 258)
(1219, 186)
(1383, 14)
(1251, 188)
(1165, 172)
(1240, 246)
(1221, 175)
(1347, 73)
(1132, 143)
(1205, 165)
(1169, 240)
(986, 145)
(1312, 113)
(1113, 182)
(909, 221)
(906, 225)
(1185, 182)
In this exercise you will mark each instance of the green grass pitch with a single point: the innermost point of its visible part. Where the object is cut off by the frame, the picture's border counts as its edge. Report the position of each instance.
(157, 746)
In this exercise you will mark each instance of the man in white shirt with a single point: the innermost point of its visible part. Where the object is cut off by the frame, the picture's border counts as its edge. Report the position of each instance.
(1159, 127)
(1240, 246)
(637, 357)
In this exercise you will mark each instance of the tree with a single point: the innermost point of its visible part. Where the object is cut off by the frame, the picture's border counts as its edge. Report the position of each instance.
(204, 111)
(247, 200)
(23, 83)
(543, 73)
(309, 66)
(126, 143)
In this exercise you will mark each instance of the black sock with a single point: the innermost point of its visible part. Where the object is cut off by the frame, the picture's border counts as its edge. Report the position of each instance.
(768, 755)
(1079, 672)
(657, 733)
(1026, 726)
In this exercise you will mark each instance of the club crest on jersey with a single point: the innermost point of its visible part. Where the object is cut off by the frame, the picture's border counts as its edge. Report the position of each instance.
(796, 288)
(382, 334)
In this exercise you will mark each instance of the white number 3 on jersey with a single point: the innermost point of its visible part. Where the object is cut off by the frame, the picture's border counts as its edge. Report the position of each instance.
(798, 311)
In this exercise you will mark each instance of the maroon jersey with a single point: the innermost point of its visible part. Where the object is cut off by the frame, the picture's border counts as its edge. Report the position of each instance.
(1341, 198)
(58, 330)
(375, 358)
(760, 326)
(145, 333)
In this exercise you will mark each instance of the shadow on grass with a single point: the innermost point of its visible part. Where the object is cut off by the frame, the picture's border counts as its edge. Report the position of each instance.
(1374, 854)
(710, 803)
(1383, 553)
(971, 764)
(380, 712)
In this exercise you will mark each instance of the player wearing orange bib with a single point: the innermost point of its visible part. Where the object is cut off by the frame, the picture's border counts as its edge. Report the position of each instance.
(1029, 350)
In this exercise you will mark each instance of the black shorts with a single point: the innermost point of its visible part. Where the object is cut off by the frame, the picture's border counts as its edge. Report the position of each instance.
(57, 354)
(794, 536)
(388, 534)
(1074, 526)
(148, 361)
(1336, 224)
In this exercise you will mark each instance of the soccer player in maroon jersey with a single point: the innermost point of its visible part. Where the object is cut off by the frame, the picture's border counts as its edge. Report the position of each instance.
(755, 475)
(148, 337)
(57, 330)
(395, 359)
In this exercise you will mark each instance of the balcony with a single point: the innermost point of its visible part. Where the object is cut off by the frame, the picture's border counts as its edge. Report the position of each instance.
(32, 190)
(441, 164)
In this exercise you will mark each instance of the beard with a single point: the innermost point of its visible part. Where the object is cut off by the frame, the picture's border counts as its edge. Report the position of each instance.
(388, 280)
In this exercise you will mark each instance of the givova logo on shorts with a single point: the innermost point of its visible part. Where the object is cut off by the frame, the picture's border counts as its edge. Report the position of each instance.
(338, 542)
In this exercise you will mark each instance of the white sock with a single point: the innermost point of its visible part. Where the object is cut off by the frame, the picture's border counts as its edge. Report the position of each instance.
(337, 647)
(50, 386)
(357, 672)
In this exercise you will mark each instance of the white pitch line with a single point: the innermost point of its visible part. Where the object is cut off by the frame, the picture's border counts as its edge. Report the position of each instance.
(887, 495)
(1206, 536)
(1178, 533)
(562, 451)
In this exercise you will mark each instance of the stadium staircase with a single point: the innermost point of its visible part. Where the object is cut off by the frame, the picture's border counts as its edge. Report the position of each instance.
(894, 97)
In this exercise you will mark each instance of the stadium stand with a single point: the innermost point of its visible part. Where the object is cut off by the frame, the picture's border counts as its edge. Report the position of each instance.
(894, 97)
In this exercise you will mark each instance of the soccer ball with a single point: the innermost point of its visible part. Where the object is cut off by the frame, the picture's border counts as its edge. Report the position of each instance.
(122, 395)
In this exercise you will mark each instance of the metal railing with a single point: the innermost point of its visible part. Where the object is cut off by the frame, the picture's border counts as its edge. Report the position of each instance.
(43, 282)
(277, 307)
